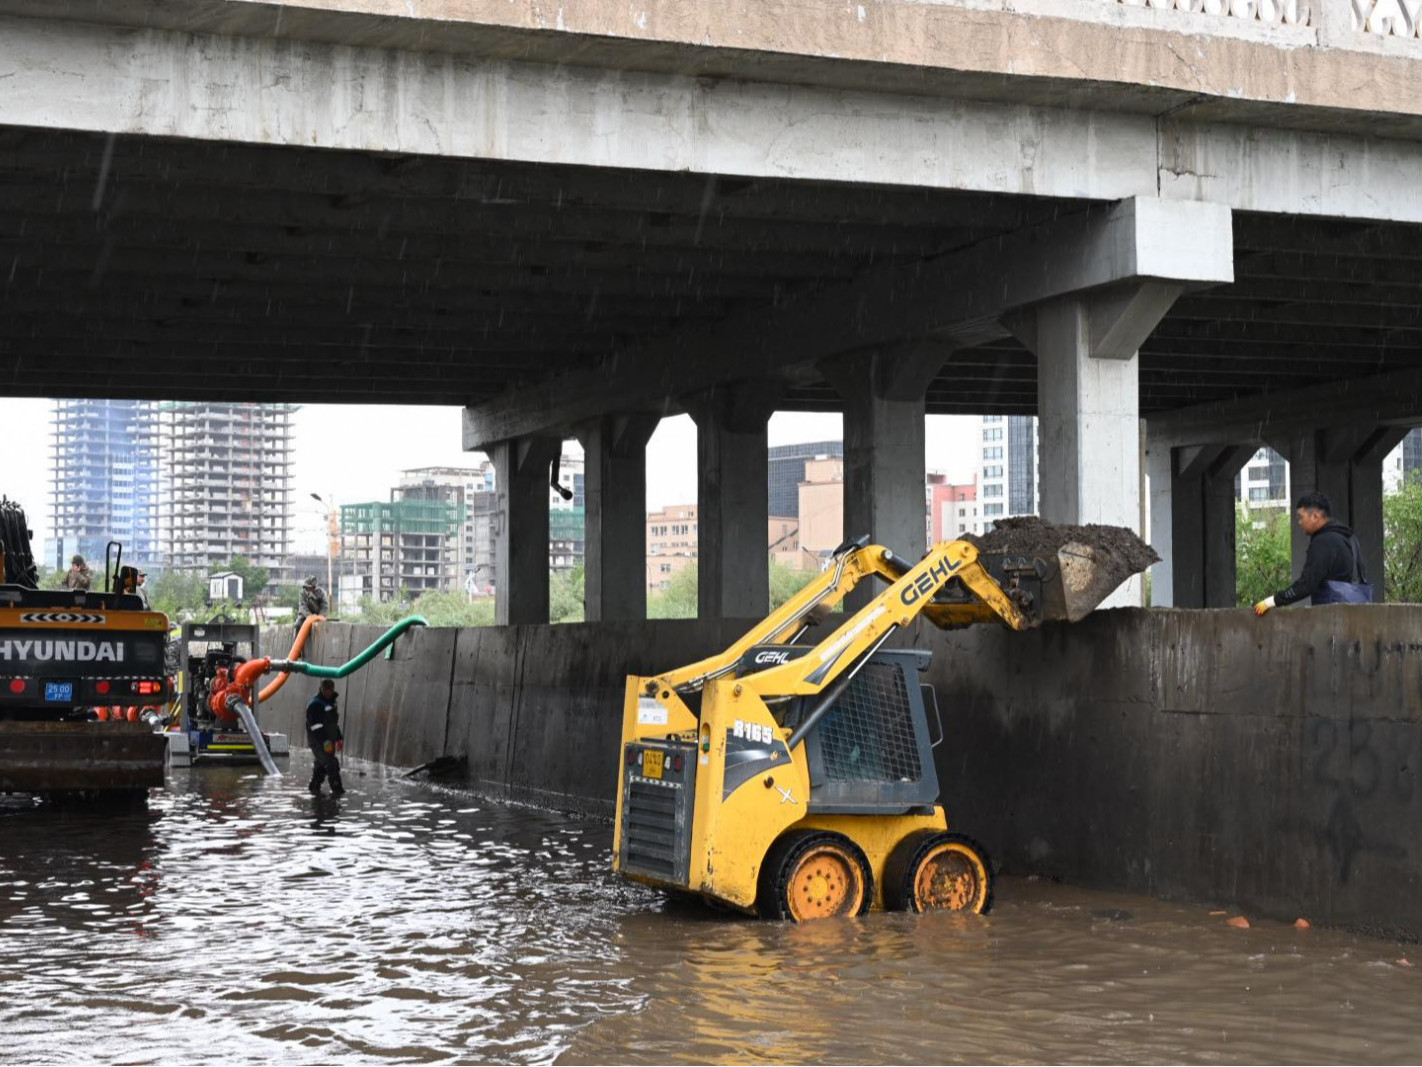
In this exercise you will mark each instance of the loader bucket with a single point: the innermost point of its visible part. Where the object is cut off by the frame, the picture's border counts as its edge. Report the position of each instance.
(1078, 566)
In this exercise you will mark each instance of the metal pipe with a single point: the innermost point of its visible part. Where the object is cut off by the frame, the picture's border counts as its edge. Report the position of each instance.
(249, 721)
(296, 646)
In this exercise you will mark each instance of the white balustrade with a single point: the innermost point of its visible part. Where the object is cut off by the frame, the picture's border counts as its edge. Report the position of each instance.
(1275, 12)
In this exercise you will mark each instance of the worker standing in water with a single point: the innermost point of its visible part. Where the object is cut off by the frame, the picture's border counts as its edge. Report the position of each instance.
(323, 734)
(1333, 568)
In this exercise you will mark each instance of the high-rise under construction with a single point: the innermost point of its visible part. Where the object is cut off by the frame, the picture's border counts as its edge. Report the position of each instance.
(226, 483)
(106, 481)
(181, 485)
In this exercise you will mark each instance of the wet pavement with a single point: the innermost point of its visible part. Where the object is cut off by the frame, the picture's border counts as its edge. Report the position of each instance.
(240, 920)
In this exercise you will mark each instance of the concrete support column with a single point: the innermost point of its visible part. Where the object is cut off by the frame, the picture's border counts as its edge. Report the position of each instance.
(733, 499)
(521, 475)
(1345, 463)
(884, 441)
(1193, 523)
(1088, 404)
(615, 489)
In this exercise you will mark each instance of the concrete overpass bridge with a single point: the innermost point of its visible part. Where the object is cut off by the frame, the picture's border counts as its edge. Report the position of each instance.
(574, 220)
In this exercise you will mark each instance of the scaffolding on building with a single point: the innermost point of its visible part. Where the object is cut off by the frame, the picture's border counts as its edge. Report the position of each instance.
(409, 543)
(226, 483)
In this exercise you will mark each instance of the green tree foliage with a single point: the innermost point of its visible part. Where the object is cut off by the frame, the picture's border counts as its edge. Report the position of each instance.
(1402, 543)
(254, 578)
(1263, 554)
(439, 609)
(785, 582)
(179, 594)
(678, 600)
(565, 595)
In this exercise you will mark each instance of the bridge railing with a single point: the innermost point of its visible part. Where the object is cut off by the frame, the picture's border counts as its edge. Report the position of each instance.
(1374, 18)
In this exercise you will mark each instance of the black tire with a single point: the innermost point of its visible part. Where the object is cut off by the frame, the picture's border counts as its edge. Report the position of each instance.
(968, 868)
(789, 856)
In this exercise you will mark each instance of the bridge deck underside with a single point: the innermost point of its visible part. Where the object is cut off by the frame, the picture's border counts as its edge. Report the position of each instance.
(139, 267)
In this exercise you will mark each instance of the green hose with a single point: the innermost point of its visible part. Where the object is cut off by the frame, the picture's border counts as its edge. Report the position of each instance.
(385, 639)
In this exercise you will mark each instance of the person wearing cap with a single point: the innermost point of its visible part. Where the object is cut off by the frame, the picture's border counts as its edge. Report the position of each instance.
(1333, 570)
(141, 592)
(313, 600)
(79, 576)
(323, 735)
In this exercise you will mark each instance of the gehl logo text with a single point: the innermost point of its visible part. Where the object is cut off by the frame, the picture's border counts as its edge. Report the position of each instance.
(928, 581)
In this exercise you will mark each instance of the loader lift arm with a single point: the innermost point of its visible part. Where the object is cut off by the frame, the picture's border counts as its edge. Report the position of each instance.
(912, 590)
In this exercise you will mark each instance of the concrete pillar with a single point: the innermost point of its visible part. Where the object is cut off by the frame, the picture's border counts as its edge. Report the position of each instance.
(884, 440)
(1193, 523)
(1088, 404)
(615, 489)
(1344, 463)
(733, 499)
(521, 474)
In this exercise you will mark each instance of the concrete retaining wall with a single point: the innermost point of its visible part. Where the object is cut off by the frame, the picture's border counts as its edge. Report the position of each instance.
(537, 709)
(1268, 764)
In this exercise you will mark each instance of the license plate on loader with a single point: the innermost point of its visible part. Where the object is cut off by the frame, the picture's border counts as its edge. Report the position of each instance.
(652, 761)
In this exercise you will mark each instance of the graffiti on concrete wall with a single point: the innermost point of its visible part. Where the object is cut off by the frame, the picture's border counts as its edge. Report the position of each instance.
(1353, 764)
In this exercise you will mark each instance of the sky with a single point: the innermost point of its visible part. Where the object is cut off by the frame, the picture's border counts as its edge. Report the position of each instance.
(355, 453)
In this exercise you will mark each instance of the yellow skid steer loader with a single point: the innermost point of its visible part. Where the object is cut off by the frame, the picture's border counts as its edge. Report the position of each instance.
(797, 781)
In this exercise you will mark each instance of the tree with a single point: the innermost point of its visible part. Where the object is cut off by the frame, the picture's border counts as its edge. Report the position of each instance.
(785, 582)
(679, 599)
(565, 595)
(1263, 554)
(176, 593)
(1402, 543)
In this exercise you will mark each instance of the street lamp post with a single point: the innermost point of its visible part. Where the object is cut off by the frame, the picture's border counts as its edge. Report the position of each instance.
(330, 541)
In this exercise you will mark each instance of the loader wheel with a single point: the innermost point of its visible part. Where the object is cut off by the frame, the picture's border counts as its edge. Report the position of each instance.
(933, 871)
(814, 874)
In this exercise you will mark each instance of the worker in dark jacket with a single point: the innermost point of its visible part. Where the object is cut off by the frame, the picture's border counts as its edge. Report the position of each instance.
(1333, 568)
(323, 734)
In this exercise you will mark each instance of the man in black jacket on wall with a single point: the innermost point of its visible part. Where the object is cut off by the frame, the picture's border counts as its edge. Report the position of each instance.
(323, 734)
(1333, 568)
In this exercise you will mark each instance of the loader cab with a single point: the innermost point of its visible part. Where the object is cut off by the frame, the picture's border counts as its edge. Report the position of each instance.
(872, 753)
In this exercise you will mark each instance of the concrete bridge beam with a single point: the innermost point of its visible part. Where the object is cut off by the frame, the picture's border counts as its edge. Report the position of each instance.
(1088, 382)
(884, 440)
(732, 458)
(1192, 523)
(615, 489)
(521, 475)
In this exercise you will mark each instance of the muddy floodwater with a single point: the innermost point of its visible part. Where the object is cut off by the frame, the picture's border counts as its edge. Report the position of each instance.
(240, 921)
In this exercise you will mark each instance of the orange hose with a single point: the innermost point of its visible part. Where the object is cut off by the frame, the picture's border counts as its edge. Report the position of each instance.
(296, 646)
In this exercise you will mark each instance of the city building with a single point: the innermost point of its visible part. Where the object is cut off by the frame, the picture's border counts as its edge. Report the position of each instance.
(566, 538)
(1007, 475)
(1264, 481)
(786, 470)
(226, 483)
(821, 505)
(407, 546)
(952, 509)
(1403, 463)
(106, 481)
(473, 552)
(671, 543)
